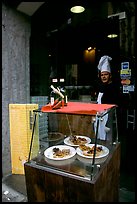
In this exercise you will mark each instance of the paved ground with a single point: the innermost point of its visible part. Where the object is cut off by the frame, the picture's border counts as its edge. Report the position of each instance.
(10, 195)
(126, 196)
(14, 188)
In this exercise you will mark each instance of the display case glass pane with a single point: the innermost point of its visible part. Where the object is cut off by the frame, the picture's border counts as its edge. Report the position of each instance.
(79, 138)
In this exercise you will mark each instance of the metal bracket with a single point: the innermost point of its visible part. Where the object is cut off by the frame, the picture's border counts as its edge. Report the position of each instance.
(31, 119)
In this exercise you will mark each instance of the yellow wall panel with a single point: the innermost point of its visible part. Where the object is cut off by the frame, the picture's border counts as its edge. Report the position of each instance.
(21, 133)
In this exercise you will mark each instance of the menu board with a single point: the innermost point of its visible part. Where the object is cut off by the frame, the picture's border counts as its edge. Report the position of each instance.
(20, 120)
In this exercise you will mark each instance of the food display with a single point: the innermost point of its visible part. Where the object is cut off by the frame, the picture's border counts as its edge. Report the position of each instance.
(62, 152)
(87, 151)
(59, 152)
(76, 140)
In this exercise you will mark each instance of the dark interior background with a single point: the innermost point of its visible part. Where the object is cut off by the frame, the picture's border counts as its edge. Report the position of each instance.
(64, 35)
(59, 37)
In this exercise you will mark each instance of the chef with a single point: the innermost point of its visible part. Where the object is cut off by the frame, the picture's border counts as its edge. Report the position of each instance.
(108, 90)
(108, 93)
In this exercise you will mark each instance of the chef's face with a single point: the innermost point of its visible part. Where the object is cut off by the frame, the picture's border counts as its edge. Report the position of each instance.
(105, 77)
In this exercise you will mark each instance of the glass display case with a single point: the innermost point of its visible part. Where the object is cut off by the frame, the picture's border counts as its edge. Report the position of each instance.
(80, 140)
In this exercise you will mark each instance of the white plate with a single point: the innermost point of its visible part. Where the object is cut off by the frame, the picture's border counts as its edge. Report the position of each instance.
(104, 153)
(68, 142)
(49, 152)
(61, 162)
(90, 160)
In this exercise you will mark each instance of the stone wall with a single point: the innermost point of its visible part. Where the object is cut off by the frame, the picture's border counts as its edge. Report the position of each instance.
(15, 71)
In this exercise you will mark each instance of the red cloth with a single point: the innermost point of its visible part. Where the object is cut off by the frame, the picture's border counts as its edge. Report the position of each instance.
(79, 108)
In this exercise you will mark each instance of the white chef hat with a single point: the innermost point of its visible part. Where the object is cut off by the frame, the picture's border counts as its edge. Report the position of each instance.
(104, 64)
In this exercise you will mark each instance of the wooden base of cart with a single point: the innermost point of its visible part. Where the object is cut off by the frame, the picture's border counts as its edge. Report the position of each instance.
(45, 184)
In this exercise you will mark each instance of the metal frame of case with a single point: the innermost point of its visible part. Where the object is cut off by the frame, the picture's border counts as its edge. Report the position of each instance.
(93, 166)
